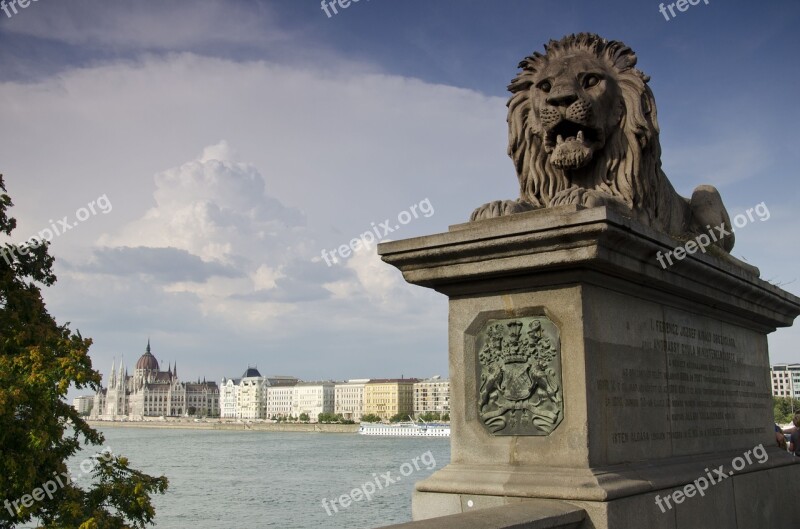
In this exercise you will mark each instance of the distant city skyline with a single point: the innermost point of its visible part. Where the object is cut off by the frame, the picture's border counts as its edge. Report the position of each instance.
(147, 391)
(173, 365)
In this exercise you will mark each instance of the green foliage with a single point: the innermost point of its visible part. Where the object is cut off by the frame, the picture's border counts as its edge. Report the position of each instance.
(337, 418)
(398, 417)
(446, 417)
(431, 416)
(782, 409)
(304, 417)
(370, 417)
(39, 431)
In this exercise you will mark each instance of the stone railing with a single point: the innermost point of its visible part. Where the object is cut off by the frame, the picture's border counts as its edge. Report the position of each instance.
(534, 514)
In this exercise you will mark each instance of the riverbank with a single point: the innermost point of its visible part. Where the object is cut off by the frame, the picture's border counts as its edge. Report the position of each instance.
(235, 426)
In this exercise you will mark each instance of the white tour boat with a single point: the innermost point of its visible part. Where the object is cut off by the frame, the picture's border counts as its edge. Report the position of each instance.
(405, 429)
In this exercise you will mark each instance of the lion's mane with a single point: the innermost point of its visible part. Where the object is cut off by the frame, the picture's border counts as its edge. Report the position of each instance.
(628, 167)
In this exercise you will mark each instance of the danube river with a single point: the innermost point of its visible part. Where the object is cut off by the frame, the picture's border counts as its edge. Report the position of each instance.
(265, 479)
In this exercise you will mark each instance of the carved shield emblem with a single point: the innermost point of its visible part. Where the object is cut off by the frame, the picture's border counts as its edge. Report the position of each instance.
(520, 376)
(517, 382)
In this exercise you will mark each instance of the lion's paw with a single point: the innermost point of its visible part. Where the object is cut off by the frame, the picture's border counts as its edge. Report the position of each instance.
(499, 208)
(571, 195)
(708, 210)
(590, 198)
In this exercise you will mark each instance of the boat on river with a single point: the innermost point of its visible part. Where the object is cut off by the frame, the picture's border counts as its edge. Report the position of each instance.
(405, 429)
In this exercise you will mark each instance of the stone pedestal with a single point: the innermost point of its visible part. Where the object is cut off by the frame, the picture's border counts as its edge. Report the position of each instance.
(640, 380)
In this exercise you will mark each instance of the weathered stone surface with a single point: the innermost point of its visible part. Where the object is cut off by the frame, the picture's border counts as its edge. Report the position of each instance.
(530, 514)
(583, 130)
(765, 498)
(664, 372)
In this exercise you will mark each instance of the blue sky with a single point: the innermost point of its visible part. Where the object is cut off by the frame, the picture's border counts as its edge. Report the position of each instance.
(236, 140)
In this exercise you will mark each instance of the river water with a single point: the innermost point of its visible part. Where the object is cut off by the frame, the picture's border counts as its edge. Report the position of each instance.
(265, 479)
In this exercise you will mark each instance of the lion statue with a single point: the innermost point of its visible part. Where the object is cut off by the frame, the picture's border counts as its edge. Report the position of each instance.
(582, 129)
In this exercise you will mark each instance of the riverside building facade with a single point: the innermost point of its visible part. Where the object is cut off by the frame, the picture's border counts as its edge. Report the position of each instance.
(432, 395)
(280, 401)
(228, 391)
(785, 380)
(248, 397)
(387, 397)
(83, 404)
(349, 398)
(150, 392)
(313, 398)
(251, 397)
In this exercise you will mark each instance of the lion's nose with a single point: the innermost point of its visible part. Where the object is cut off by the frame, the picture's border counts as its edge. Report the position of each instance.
(562, 98)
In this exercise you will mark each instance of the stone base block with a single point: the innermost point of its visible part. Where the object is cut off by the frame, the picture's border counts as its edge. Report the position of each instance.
(760, 499)
(584, 370)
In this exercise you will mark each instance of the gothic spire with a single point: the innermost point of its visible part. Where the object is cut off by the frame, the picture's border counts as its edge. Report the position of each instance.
(148, 344)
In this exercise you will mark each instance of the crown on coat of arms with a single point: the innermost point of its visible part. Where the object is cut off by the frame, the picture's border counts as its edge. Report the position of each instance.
(515, 350)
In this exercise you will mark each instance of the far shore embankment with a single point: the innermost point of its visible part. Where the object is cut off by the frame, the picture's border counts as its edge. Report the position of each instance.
(236, 426)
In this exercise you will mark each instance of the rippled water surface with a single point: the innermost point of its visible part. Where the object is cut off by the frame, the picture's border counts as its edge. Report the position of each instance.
(263, 479)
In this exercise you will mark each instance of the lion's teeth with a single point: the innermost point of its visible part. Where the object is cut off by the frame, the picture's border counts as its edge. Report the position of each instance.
(580, 135)
(559, 139)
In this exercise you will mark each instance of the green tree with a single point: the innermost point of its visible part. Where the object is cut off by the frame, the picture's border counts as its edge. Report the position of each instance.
(783, 409)
(39, 431)
(304, 417)
(331, 418)
(398, 417)
(370, 417)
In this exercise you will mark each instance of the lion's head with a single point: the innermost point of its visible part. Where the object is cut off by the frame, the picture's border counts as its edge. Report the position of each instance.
(582, 115)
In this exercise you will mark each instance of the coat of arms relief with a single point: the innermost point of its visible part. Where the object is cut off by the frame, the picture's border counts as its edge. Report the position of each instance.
(520, 376)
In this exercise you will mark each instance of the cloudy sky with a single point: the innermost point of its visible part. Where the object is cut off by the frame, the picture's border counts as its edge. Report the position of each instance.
(222, 145)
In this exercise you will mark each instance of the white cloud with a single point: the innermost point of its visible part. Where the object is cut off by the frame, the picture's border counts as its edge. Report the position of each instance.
(215, 208)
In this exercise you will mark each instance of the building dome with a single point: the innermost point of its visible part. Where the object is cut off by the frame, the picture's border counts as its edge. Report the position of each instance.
(147, 360)
(251, 372)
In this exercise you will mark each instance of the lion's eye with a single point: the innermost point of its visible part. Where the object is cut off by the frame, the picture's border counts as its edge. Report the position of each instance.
(591, 80)
(545, 86)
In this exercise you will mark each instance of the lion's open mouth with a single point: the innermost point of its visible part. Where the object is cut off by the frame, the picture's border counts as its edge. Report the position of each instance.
(572, 145)
(567, 131)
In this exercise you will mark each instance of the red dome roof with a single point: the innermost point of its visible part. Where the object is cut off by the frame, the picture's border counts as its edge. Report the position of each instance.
(147, 360)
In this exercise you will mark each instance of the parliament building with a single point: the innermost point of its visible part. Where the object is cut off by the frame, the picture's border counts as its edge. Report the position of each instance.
(150, 392)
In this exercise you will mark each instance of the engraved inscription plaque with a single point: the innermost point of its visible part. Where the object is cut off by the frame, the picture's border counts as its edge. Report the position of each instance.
(520, 376)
